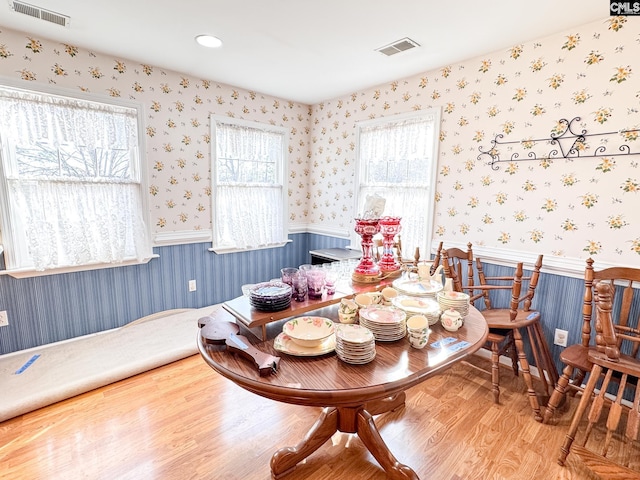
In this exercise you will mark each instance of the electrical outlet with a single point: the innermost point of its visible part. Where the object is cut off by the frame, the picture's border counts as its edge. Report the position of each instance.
(560, 337)
(192, 285)
(4, 319)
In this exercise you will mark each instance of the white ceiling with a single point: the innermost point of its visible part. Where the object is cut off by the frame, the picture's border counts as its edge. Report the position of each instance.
(303, 50)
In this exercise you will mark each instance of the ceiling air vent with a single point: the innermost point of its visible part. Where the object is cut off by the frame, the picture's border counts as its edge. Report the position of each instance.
(398, 46)
(41, 13)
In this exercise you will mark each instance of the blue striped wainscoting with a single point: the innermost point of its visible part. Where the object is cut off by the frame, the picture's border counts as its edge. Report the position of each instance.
(51, 308)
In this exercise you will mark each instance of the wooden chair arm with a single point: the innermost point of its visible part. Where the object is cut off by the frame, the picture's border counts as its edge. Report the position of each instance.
(606, 338)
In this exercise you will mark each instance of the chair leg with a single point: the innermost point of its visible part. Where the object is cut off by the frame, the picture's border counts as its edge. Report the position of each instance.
(596, 410)
(577, 415)
(513, 353)
(633, 427)
(495, 371)
(558, 393)
(526, 374)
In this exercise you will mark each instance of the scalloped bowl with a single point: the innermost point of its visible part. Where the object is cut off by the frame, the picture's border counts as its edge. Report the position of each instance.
(309, 331)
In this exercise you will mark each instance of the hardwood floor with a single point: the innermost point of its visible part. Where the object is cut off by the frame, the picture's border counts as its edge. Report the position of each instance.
(184, 421)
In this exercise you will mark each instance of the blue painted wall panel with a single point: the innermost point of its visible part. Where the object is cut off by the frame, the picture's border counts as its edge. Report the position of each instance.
(57, 307)
(51, 308)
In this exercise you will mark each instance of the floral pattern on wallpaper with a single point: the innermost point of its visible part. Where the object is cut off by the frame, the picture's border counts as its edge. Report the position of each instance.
(177, 109)
(566, 208)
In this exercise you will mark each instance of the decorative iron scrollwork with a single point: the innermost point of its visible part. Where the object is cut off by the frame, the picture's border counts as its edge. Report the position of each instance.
(570, 144)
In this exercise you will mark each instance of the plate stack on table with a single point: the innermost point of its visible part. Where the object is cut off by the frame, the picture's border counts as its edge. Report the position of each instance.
(387, 324)
(419, 306)
(355, 344)
(417, 287)
(270, 296)
(458, 301)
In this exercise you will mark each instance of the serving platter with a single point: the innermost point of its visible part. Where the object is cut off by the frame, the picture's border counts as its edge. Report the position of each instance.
(417, 287)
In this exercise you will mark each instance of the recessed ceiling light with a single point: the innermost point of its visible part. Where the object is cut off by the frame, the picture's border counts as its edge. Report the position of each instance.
(209, 41)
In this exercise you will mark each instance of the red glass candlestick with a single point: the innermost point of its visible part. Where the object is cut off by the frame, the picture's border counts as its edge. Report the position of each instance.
(367, 270)
(389, 228)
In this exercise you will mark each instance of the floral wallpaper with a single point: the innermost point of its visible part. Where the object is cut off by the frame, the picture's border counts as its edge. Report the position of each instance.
(177, 109)
(565, 208)
(570, 209)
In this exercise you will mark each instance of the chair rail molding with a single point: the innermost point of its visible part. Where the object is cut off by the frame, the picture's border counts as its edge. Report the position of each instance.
(162, 239)
(564, 266)
(568, 140)
(327, 230)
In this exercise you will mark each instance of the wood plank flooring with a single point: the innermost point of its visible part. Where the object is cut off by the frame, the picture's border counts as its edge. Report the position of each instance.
(184, 421)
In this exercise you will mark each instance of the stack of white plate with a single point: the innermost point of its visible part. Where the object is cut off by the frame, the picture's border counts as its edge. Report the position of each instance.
(386, 323)
(355, 344)
(418, 306)
(455, 300)
(417, 287)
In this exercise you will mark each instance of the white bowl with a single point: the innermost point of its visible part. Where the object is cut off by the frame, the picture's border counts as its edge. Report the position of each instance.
(309, 331)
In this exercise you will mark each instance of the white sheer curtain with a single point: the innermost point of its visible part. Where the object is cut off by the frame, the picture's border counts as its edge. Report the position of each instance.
(249, 201)
(73, 186)
(397, 160)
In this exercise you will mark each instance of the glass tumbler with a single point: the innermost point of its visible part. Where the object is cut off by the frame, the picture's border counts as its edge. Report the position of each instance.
(287, 275)
(315, 282)
(299, 287)
(330, 279)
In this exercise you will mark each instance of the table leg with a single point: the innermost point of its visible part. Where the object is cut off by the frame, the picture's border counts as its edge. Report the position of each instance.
(371, 438)
(526, 373)
(287, 458)
(349, 420)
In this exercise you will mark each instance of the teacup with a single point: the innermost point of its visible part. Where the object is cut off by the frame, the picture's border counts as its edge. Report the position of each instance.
(363, 300)
(348, 306)
(388, 294)
(451, 320)
(347, 317)
(418, 324)
(376, 297)
(419, 341)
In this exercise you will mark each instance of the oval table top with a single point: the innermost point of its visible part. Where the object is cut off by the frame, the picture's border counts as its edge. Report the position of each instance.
(325, 380)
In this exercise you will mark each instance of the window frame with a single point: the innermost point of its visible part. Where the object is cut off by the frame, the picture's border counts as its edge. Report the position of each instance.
(140, 168)
(360, 172)
(282, 174)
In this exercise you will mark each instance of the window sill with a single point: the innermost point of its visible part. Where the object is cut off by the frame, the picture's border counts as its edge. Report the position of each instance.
(28, 273)
(224, 250)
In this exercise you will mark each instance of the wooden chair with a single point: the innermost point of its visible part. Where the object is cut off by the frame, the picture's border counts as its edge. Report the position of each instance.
(378, 248)
(437, 258)
(505, 324)
(617, 366)
(576, 357)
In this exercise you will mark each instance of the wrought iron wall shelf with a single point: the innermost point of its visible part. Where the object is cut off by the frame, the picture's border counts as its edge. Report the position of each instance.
(569, 144)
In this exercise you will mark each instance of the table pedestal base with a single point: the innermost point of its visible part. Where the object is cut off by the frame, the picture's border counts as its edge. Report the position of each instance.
(357, 420)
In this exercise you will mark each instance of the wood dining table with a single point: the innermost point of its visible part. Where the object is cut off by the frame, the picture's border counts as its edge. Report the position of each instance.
(350, 395)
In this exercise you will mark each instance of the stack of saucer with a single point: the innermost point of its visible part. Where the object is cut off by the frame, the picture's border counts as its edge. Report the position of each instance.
(454, 300)
(387, 324)
(355, 344)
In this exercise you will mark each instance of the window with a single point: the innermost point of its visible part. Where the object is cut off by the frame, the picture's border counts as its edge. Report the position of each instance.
(249, 196)
(397, 159)
(71, 182)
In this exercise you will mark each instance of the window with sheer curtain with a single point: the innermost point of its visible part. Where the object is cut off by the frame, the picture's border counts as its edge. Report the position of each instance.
(397, 159)
(72, 186)
(249, 195)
